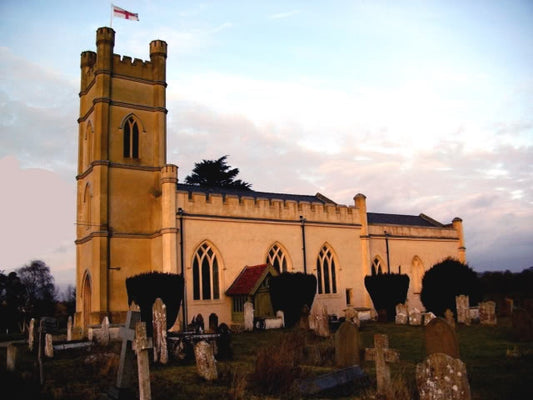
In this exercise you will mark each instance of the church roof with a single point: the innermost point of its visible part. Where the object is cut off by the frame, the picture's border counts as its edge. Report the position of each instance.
(318, 198)
(249, 279)
(398, 219)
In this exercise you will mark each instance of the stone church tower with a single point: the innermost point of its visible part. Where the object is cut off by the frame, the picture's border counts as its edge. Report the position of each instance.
(125, 190)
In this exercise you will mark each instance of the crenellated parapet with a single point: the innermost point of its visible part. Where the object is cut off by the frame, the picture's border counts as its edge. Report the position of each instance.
(271, 209)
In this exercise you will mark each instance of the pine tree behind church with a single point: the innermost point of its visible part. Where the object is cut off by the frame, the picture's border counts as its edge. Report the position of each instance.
(216, 173)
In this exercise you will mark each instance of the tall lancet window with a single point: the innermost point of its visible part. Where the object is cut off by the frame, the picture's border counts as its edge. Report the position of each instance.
(205, 273)
(325, 269)
(276, 257)
(131, 138)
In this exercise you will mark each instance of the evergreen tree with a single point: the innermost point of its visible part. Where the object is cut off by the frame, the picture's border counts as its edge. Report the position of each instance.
(216, 173)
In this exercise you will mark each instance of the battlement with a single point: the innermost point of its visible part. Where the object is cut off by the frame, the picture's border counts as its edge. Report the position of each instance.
(169, 173)
(134, 68)
(245, 206)
(158, 48)
(105, 35)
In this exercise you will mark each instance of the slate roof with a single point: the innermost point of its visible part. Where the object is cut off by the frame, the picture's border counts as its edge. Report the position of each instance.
(318, 198)
(398, 219)
(247, 280)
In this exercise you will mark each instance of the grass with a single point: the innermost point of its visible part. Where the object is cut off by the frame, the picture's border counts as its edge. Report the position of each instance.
(492, 375)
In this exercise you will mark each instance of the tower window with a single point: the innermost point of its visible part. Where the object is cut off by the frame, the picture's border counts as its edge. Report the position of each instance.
(131, 138)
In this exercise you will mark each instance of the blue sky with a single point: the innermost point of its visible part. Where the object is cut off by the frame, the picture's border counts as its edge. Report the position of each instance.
(425, 106)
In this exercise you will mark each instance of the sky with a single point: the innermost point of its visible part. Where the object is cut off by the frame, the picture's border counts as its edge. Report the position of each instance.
(424, 106)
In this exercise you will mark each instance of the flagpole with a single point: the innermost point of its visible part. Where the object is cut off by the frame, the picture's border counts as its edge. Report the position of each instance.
(111, 16)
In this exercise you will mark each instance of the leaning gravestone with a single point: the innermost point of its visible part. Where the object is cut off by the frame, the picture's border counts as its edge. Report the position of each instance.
(205, 361)
(159, 332)
(382, 355)
(462, 303)
(248, 316)
(441, 377)
(142, 346)
(440, 337)
(347, 345)
(487, 313)
(402, 314)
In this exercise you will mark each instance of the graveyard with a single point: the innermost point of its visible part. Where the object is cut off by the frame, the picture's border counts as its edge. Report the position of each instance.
(285, 363)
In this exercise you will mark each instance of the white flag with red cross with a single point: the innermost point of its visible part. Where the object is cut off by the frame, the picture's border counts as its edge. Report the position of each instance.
(121, 13)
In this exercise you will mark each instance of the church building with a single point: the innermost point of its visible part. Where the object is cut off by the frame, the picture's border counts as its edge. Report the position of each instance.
(133, 215)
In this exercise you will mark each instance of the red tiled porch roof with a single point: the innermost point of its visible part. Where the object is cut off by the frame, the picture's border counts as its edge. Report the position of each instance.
(248, 279)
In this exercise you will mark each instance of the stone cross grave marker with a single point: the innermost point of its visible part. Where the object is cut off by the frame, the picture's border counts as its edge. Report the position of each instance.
(142, 346)
(347, 345)
(402, 314)
(487, 313)
(382, 355)
(126, 367)
(159, 324)
(462, 303)
(248, 316)
(448, 315)
(441, 377)
(440, 337)
(205, 360)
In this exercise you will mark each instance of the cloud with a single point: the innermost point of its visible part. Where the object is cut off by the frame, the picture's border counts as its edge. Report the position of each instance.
(283, 15)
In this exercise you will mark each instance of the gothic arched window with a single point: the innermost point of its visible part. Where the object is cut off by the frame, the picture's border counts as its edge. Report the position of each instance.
(131, 138)
(205, 273)
(276, 257)
(376, 266)
(325, 269)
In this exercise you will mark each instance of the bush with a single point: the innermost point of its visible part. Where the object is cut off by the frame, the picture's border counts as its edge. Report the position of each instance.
(289, 293)
(386, 291)
(145, 288)
(445, 280)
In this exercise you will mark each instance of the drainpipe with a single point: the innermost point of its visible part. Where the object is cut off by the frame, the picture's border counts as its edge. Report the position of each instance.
(302, 221)
(185, 321)
(387, 245)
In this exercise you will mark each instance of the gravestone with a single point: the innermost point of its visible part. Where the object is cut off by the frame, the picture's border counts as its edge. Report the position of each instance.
(351, 314)
(281, 315)
(440, 337)
(248, 316)
(487, 313)
(428, 317)
(303, 322)
(159, 332)
(199, 321)
(402, 314)
(224, 342)
(474, 314)
(522, 325)
(103, 335)
(462, 303)
(11, 357)
(448, 315)
(142, 346)
(213, 322)
(205, 361)
(382, 355)
(415, 317)
(126, 367)
(441, 377)
(507, 308)
(322, 322)
(31, 334)
(347, 345)
(69, 328)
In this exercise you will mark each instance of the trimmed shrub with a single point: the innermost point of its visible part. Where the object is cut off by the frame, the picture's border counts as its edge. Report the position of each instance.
(386, 291)
(290, 291)
(145, 288)
(445, 280)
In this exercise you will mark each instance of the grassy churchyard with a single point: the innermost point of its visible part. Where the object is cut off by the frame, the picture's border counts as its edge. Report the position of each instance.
(265, 364)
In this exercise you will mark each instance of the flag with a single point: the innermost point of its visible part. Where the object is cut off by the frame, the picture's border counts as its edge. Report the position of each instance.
(121, 13)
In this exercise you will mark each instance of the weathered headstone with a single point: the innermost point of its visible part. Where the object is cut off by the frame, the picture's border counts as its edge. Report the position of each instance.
(402, 314)
(448, 315)
(159, 324)
(69, 328)
(382, 355)
(522, 325)
(428, 317)
(347, 345)
(103, 336)
(49, 345)
(248, 316)
(415, 317)
(281, 315)
(11, 357)
(126, 367)
(441, 377)
(303, 322)
(474, 314)
(213, 322)
(440, 337)
(142, 346)
(322, 322)
(462, 303)
(205, 360)
(351, 314)
(31, 334)
(487, 313)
